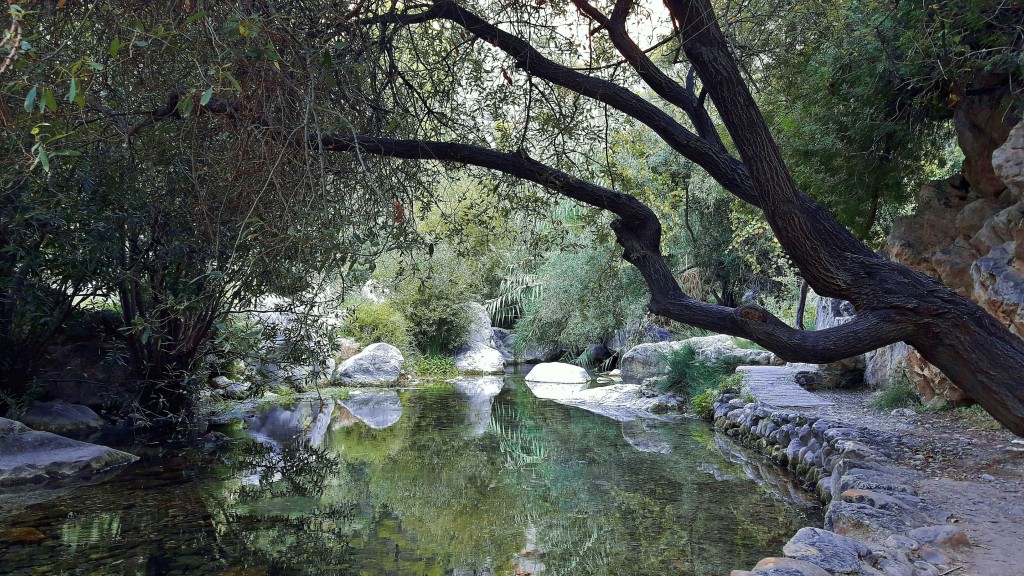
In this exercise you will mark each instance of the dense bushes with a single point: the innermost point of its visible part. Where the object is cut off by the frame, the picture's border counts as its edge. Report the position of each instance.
(373, 322)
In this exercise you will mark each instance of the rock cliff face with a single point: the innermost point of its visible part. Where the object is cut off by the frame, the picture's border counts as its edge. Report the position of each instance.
(968, 231)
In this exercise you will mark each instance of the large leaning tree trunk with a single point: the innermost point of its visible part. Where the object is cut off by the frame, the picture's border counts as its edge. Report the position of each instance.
(894, 303)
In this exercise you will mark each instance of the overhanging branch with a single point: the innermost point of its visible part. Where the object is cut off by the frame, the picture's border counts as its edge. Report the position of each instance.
(728, 171)
(638, 231)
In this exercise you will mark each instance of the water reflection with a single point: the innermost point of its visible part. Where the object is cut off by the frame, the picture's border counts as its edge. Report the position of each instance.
(481, 479)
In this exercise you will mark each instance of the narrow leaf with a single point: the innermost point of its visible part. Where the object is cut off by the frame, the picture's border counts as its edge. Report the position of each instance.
(30, 99)
(49, 100)
(73, 91)
(206, 96)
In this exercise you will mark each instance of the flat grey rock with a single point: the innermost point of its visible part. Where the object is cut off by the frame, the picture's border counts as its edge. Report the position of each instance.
(72, 420)
(832, 552)
(42, 458)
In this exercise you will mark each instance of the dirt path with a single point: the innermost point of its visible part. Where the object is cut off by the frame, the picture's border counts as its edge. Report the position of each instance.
(971, 467)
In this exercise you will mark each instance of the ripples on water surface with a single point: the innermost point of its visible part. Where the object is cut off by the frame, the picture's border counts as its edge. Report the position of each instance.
(473, 481)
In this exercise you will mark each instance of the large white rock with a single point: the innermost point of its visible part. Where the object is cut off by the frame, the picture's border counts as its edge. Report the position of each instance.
(31, 457)
(479, 359)
(558, 372)
(556, 390)
(480, 332)
(652, 360)
(378, 364)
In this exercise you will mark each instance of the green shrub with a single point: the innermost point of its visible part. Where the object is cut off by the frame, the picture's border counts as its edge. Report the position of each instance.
(435, 366)
(703, 404)
(900, 394)
(430, 291)
(689, 376)
(372, 322)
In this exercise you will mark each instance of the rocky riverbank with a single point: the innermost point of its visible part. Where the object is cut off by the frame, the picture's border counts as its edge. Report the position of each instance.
(880, 517)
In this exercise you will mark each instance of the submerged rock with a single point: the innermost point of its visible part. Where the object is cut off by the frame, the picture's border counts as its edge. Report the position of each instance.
(378, 409)
(621, 402)
(71, 420)
(378, 364)
(646, 436)
(558, 372)
(32, 457)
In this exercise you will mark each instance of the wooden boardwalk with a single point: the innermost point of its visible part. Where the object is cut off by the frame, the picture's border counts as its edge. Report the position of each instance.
(776, 386)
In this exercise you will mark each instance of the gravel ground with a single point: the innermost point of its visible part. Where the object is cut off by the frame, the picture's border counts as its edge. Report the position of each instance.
(973, 468)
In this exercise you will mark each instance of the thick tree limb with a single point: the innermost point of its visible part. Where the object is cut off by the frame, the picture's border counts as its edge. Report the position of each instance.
(681, 96)
(638, 231)
(726, 170)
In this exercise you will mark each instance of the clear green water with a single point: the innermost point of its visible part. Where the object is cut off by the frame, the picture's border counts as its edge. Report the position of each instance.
(458, 485)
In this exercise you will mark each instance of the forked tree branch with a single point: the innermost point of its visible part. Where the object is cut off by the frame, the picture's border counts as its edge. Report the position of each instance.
(725, 169)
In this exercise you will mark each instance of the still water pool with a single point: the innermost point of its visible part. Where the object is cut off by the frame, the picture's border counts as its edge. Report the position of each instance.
(482, 479)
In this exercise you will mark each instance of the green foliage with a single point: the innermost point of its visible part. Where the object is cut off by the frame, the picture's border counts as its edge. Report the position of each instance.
(373, 322)
(181, 215)
(435, 366)
(860, 94)
(702, 404)
(585, 297)
(690, 376)
(433, 301)
(898, 394)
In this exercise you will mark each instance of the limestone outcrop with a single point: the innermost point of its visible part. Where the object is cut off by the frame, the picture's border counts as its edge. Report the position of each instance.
(647, 361)
(968, 231)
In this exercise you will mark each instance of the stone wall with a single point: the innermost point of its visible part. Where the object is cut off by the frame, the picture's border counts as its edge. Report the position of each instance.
(874, 521)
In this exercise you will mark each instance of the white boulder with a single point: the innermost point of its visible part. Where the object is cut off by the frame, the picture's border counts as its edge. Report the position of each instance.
(558, 372)
(378, 364)
(479, 359)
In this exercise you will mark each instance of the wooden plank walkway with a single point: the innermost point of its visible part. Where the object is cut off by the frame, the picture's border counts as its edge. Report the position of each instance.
(776, 386)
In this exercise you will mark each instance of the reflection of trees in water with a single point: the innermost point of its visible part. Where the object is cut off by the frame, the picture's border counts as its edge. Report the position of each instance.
(517, 441)
(547, 486)
(297, 469)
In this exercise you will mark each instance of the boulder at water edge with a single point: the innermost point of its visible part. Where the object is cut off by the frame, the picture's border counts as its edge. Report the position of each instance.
(479, 359)
(71, 420)
(652, 360)
(479, 331)
(41, 458)
(378, 365)
(558, 372)
(480, 354)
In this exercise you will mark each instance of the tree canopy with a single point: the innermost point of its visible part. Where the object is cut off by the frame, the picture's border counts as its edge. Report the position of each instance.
(250, 148)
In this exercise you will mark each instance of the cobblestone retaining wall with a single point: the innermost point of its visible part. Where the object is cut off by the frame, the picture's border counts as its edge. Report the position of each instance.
(875, 524)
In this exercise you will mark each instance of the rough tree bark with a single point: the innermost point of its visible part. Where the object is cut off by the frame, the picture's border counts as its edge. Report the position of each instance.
(894, 303)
